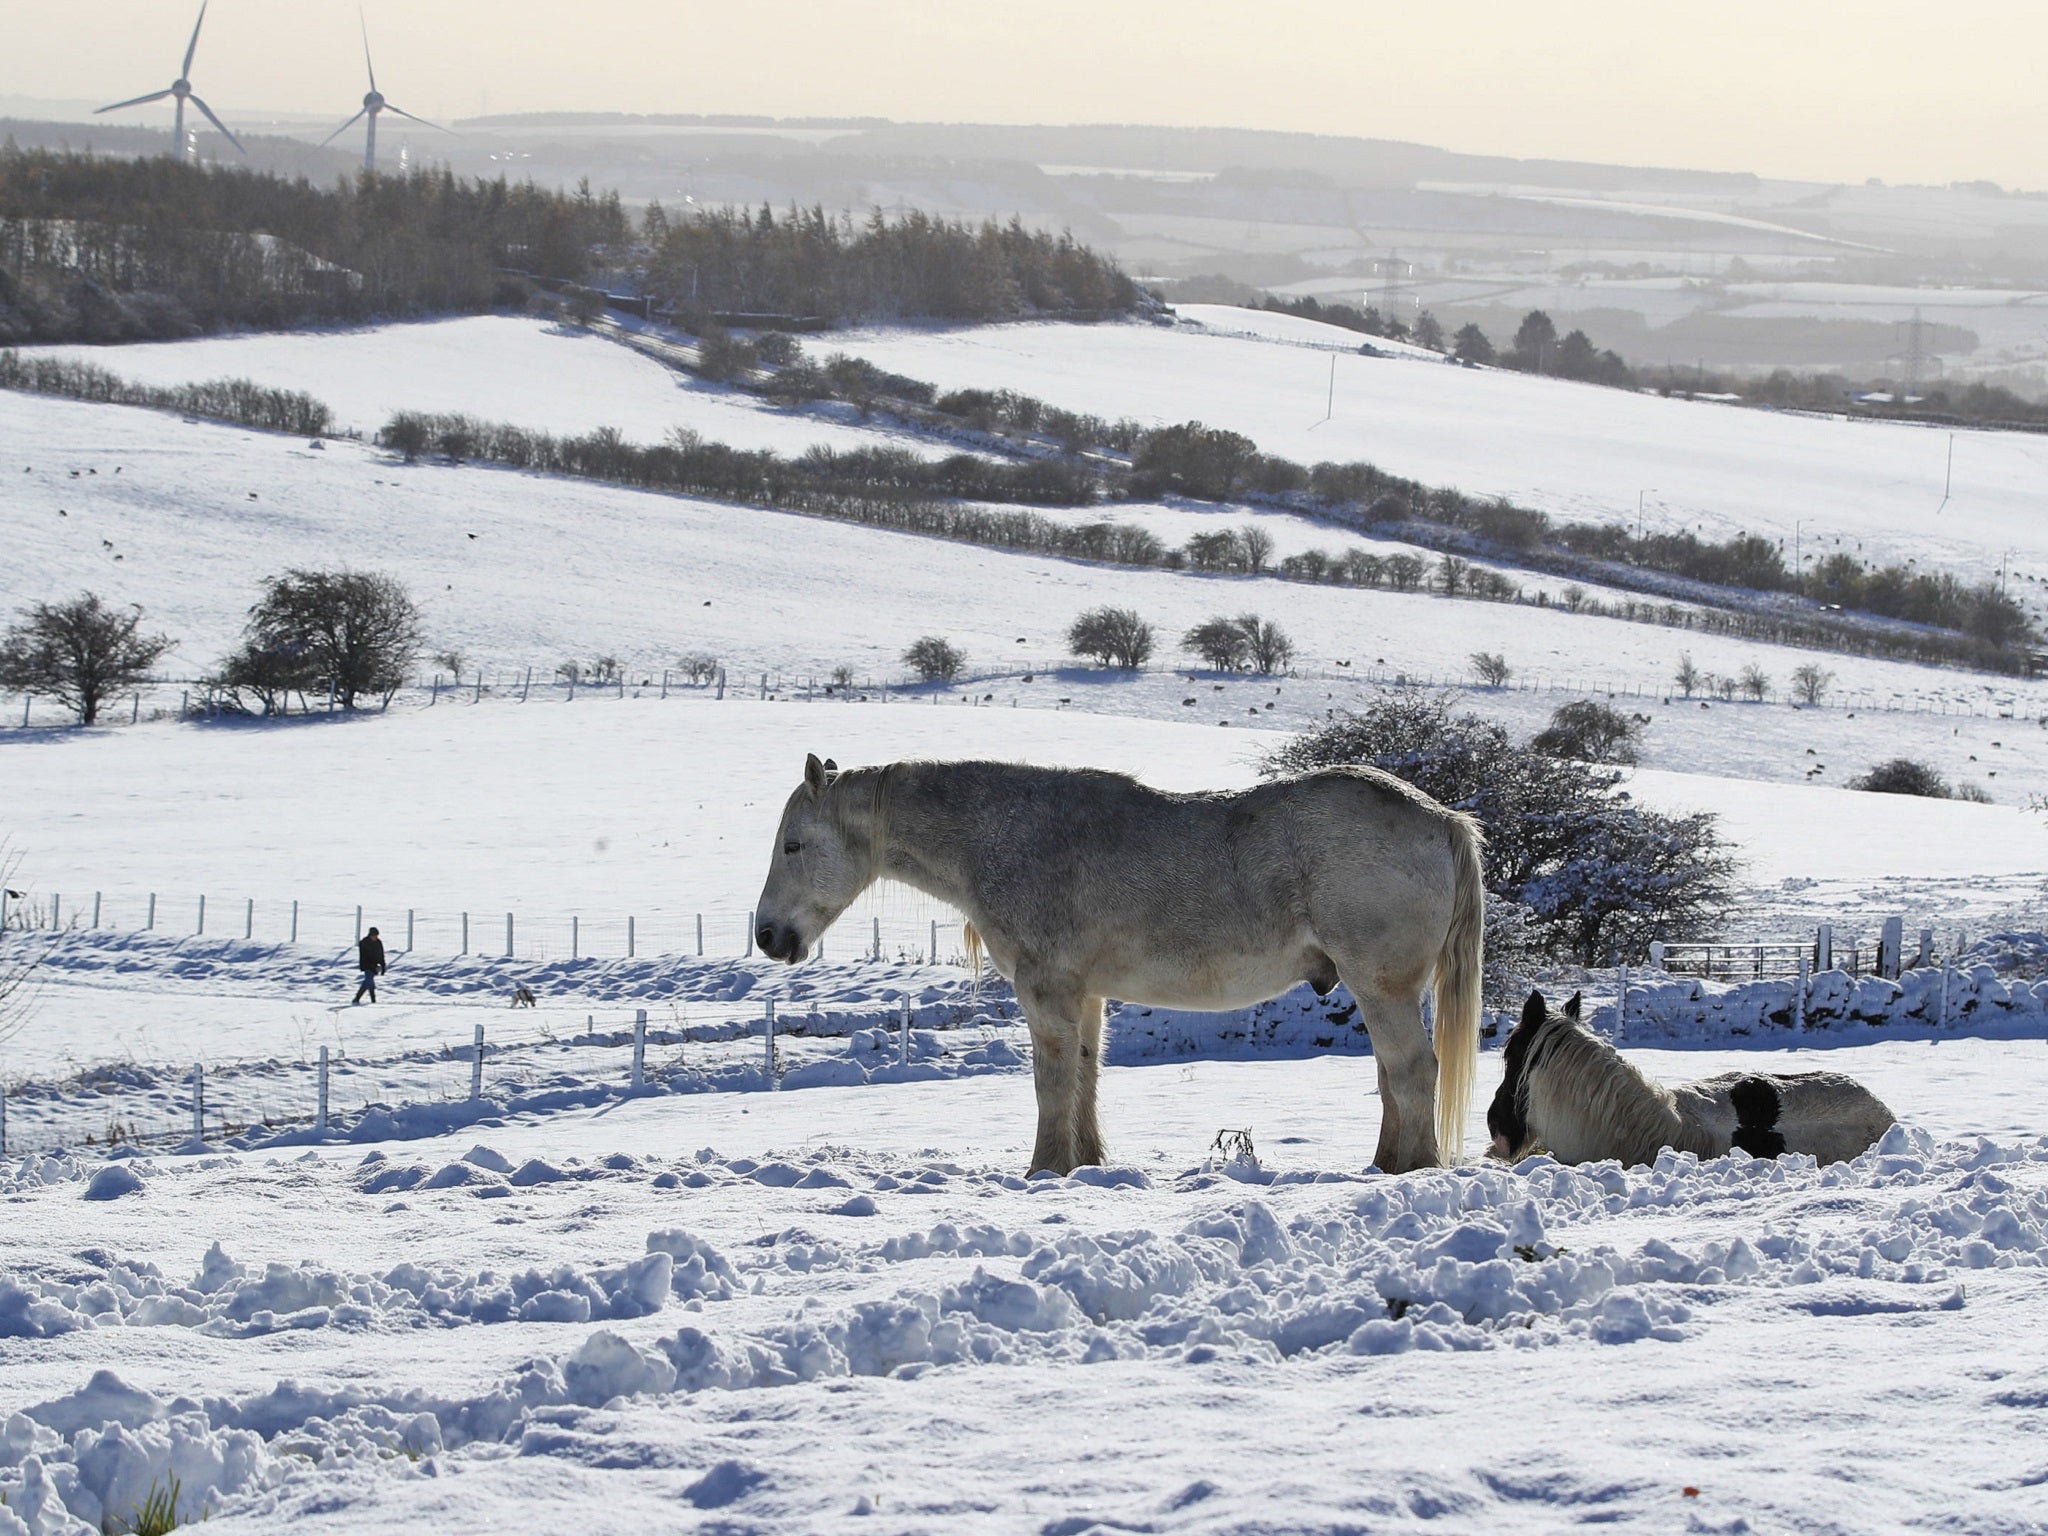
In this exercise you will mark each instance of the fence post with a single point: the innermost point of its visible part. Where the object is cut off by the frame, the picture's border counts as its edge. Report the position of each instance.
(249, 918)
(508, 935)
(202, 914)
(878, 938)
(198, 1101)
(437, 692)
(135, 714)
(526, 686)
(95, 910)
(3, 906)
(933, 956)
(3, 1119)
(629, 937)
(152, 911)
(721, 682)
(476, 1064)
(359, 922)
(320, 1123)
(295, 920)
(664, 682)
(1621, 1003)
(479, 687)
(750, 935)
(465, 934)
(57, 912)
(1947, 970)
(903, 1035)
(575, 937)
(1891, 945)
(639, 1046)
(768, 1036)
(1920, 964)
(408, 930)
(1657, 955)
(1824, 948)
(1799, 997)
(700, 933)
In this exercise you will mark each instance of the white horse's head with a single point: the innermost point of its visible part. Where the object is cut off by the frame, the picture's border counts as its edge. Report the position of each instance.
(823, 859)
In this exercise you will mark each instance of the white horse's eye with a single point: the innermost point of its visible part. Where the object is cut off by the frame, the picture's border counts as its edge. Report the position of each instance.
(792, 846)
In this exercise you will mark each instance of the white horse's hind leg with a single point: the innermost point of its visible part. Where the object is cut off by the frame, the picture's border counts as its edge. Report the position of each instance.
(1407, 1078)
(1066, 1050)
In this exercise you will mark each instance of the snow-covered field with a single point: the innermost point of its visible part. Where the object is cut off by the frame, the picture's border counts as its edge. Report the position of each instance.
(839, 1306)
(1574, 450)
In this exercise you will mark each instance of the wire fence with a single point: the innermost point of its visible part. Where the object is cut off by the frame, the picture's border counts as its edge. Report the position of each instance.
(173, 698)
(887, 922)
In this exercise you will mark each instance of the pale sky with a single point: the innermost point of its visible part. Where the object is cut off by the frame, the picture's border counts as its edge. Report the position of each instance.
(1832, 90)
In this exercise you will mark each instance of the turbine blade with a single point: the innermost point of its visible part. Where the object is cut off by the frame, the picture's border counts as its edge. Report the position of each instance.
(134, 102)
(403, 113)
(223, 127)
(344, 128)
(193, 46)
(364, 22)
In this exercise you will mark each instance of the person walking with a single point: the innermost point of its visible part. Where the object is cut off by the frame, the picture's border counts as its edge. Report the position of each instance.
(370, 961)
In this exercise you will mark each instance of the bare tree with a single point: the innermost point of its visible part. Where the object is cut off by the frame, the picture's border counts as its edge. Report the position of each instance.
(1256, 545)
(79, 652)
(1755, 682)
(1810, 682)
(1266, 644)
(1687, 676)
(1113, 636)
(1219, 642)
(1491, 668)
(357, 631)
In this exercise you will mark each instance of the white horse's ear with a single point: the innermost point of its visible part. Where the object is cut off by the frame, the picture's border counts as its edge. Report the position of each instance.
(814, 773)
(1571, 1007)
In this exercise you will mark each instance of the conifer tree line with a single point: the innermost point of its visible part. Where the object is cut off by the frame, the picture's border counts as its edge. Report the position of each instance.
(104, 250)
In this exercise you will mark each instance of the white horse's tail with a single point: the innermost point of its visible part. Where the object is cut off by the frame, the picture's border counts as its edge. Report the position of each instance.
(1457, 989)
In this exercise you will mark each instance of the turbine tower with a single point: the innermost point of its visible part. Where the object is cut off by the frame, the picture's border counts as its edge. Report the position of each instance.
(373, 103)
(181, 91)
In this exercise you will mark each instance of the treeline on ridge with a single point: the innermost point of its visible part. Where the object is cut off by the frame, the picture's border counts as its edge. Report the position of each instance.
(105, 250)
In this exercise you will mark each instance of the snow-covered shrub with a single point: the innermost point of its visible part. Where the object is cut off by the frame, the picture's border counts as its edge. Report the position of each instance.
(934, 659)
(1114, 637)
(1590, 731)
(1598, 875)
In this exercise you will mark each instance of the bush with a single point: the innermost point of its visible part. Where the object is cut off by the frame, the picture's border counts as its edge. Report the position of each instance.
(268, 674)
(1491, 668)
(1598, 876)
(1266, 644)
(699, 668)
(722, 356)
(1590, 732)
(1904, 776)
(1113, 636)
(1687, 676)
(354, 631)
(934, 659)
(409, 433)
(78, 652)
(779, 349)
(1245, 643)
(1755, 682)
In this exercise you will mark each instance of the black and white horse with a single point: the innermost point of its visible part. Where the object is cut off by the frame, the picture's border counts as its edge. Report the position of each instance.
(1569, 1093)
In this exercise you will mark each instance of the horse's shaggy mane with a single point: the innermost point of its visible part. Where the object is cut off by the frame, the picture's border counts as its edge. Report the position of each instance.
(1587, 1085)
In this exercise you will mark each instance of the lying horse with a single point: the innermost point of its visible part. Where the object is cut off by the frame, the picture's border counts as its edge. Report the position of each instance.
(1087, 885)
(1569, 1093)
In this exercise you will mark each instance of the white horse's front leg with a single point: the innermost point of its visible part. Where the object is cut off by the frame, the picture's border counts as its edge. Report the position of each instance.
(1066, 1052)
(1407, 1076)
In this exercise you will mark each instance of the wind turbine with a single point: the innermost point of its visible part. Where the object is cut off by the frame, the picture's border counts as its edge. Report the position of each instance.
(373, 103)
(181, 91)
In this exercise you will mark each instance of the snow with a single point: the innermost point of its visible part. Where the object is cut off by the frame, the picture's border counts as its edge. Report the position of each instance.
(553, 378)
(827, 1296)
(1575, 450)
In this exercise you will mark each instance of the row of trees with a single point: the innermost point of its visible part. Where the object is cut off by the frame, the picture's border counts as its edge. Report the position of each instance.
(807, 262)
(347, 635)
(108, 249)
(1120, 637)
(237, 400)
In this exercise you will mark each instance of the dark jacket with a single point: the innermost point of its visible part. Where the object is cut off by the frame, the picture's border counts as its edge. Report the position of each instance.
(370, 953)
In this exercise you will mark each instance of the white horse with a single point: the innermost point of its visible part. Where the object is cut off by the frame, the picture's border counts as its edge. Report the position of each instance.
(1087, 885)
(1569, 1093)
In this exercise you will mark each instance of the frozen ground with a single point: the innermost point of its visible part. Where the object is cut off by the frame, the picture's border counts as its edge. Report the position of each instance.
(847, 1312)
